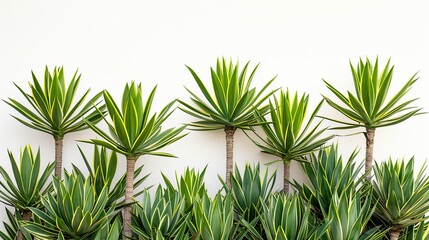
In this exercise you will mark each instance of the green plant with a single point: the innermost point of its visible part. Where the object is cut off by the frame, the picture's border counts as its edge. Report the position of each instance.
(231, 107)
(328, 176)
(214, 219)
(367, 107)
(134, 132)
(73, 211)
(164, 216)
(28, 183)
(111, 231)
(52, 110)
(12, 228)
(418, 231)
(287, 217)
(348, 216)
(285, 136)
(249, 193)
(102, 173)
(402, 198)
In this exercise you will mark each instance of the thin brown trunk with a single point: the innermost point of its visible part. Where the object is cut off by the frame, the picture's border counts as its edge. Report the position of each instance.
(129, 188)
(369, 135)
(58, 156)
(26, 216)
(286, 176)
(229, 137)
(394, 233)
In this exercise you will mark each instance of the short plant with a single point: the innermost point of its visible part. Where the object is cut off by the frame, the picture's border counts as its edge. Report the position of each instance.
(52, 110)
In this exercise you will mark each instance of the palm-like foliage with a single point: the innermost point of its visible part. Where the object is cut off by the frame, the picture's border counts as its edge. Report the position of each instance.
(73, 210)
(25, 188)
(134, 132)
(289, 136)
(368, 107)
(164, 216)
(229, 106)
(402, 198)
(12, 229)
(53, 111)
(418, 231)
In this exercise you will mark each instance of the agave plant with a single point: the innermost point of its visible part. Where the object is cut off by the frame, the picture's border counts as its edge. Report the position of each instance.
(190, 186)
(134, 132)
(288, 135)
(52, 110)
(328, 176)
(163, 216)
(112, 230)
(402, 199)
(73, 211)
(103, 172)
(287, 218)
(28, 183)
(12, 229)
(348, 216)
(230, 105)
(249, 192)
(367, 107)
(213, 219)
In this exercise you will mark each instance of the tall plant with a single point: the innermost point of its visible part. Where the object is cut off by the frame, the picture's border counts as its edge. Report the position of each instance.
(229, 106)
(133, 133)
(53, 110)
(402, 199)
(367, 107)
(289, 135)
(25, 188)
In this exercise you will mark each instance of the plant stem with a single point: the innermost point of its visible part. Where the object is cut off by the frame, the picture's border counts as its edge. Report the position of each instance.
(394, 233)
(129, 188)
(286, 176)
(26, 216)
(229, 137)
(58, 156)
(369, 135)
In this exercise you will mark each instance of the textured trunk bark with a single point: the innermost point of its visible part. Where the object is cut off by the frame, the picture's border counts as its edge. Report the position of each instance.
(129, 188)
(394, 234)
(369, 135)
(229, 137)
(26, 216)
(286, 176)
(58, 156)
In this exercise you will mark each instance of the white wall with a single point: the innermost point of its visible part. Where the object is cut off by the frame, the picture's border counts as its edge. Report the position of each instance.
(113, 42)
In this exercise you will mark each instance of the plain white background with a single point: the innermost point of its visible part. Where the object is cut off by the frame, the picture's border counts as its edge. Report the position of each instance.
(114, 42)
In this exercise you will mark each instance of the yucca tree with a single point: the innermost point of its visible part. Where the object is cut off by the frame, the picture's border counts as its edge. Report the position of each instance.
(12, 228)
(418, 231)
(135, 132)
(53, 111)
(368, 106)
(289, 135)
(402, 199)
(29, 182)
(230, 105)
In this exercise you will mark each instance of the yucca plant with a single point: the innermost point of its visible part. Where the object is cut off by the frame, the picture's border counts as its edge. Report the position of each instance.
(419, 231)
(249, 191)
(367, 107)
(163, 215)
(27, 185)
(73, 211)
(348, 216)
(230, 105)
(402, 199)
(214, 219)
(135, 132)
(287, 218)
(12, 229)
(112, 230)
(53, 110)
(289, 135)
(190, 185)
(328, 176)
(103, 172)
